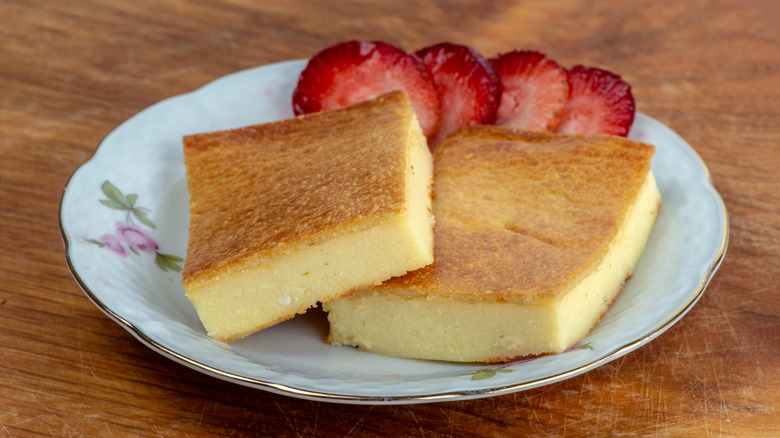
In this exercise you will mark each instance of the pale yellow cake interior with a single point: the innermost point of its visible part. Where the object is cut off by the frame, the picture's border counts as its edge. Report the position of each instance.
(242, 298)
(403, 324)
(535, 235)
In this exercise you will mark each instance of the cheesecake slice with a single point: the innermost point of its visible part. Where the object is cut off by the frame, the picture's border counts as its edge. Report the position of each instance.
(288, 214)
(535, 236)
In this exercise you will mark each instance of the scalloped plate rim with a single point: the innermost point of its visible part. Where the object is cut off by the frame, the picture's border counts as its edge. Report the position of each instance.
(280, 387)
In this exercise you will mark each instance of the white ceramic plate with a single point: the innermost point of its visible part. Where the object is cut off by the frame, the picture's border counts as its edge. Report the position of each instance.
(124, 218)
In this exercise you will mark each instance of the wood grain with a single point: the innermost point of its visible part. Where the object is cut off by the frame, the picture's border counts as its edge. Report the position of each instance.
(72, 71)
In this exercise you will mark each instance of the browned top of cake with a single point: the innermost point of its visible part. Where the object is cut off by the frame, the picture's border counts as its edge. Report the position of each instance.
(268, 189)
(522, 216)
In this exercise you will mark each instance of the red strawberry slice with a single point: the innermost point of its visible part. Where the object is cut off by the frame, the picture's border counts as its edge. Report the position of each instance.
(600, 102)
(354, 71)
(535, 90)
(469, 89)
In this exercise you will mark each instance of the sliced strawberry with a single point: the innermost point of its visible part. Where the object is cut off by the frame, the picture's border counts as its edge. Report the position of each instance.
(469, 89)
(535, 90)
(354, 71)
(600, 102)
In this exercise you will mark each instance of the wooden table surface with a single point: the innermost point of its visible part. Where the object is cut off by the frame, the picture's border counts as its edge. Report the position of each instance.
(71, 71)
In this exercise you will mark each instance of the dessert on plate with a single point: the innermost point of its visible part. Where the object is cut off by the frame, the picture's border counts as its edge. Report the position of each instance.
(287, 214)
(535, 235)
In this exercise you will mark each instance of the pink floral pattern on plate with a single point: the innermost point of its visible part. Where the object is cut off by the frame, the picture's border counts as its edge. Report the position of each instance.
(130, 237)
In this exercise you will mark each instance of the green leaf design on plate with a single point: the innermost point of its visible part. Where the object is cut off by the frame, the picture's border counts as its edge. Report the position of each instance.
(113, 204)
(488, 373)
(140, 214)
(168, 262)
(119, 201)
(585, 347)
(131, 199)
(114, 194)
(483, 374)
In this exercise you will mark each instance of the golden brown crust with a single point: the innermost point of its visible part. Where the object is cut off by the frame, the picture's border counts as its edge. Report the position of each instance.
(522, 216)
(268, 189)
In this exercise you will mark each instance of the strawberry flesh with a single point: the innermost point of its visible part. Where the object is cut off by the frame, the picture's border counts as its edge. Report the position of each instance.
(535, 90)
(469, 89)
(354, 71)
(600, 102)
